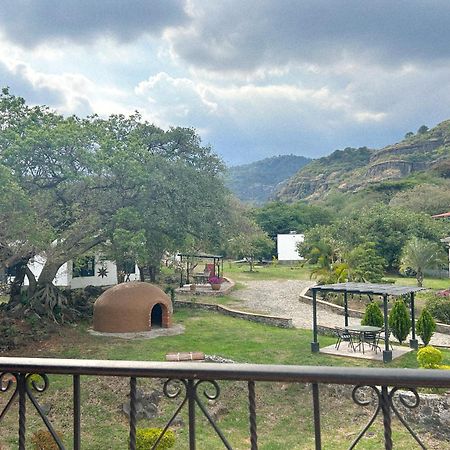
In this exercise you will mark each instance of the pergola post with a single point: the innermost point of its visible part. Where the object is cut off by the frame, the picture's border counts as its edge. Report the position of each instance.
(387, 354)
(345, 309)
(413, 343)
(181, 272)
(315, 343)
(188, 264)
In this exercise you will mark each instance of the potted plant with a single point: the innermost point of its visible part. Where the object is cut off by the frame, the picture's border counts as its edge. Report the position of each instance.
(215, 282)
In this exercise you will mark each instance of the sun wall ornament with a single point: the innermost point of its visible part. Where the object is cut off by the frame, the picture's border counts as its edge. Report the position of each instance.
(102, 272)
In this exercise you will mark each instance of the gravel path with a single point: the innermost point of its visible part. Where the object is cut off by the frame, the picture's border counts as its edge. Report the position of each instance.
(281, 298)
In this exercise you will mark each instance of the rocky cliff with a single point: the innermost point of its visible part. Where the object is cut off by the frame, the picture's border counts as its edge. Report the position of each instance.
(354, 169)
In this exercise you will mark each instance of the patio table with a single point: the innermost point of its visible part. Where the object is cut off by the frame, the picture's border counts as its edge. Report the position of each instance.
(364, 332)
(200, 278)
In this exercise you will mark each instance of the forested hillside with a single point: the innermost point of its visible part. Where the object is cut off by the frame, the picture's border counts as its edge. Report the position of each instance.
(257, 181)
(421, 161)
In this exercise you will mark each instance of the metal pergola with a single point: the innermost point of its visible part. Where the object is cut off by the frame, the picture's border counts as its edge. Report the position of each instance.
(217, 261)
(383, 290)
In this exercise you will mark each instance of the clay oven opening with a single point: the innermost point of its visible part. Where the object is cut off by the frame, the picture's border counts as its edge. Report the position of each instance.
(132, 307)
(156, 317)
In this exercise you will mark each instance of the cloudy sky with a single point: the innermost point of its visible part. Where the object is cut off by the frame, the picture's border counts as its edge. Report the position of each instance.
(256, 78)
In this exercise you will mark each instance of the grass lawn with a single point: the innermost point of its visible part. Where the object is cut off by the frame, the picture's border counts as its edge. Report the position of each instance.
(240, 272)
(284, 409)
(430, 283)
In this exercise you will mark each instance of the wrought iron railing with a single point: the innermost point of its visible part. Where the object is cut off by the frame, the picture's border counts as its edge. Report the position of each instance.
(21, 378)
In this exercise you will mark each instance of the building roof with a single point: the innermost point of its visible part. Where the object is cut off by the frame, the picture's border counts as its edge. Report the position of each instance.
(368, 288)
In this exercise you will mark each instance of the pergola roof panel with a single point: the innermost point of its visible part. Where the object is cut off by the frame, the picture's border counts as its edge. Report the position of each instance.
(368, 288)
(199, 255)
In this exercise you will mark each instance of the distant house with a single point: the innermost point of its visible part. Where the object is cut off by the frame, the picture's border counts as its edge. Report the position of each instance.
(87, 271)
(287, 246)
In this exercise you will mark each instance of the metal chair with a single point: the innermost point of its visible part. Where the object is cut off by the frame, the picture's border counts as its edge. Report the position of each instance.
(343, 335)
(381, 337)
(371, 338)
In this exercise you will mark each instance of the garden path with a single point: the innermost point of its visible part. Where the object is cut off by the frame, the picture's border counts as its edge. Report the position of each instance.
(281, 298)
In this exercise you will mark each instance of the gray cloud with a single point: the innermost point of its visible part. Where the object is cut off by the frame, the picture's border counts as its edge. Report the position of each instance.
(237, 35)
(31, 22)
(20, 85)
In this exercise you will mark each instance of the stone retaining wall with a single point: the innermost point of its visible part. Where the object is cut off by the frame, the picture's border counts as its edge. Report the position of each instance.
(205, 289)
(331, 307)
(281, 322)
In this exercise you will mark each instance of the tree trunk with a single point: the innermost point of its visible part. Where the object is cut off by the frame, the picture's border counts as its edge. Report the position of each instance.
(152, 272)
(32, 283)
(419, 277)
(15, 295)
(141, 273)
(47, 300)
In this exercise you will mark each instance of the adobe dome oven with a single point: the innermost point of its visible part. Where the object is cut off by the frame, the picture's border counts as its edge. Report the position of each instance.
(132, 307)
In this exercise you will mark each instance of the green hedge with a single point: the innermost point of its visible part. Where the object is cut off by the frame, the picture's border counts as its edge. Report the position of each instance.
(439, 308)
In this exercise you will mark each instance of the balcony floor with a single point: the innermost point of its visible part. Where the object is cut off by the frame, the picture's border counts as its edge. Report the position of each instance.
(345, 350)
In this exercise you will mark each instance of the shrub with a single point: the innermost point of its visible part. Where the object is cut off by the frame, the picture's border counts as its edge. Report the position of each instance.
(146, 438)
(43, 440)
(399, 321)
(10, 334)
(215, 280)
(373, 315)
(425, 326)
(439, 308)
(429, 357)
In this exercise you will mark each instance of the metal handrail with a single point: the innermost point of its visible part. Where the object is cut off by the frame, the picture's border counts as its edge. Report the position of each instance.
(238, 372)
(184, 380)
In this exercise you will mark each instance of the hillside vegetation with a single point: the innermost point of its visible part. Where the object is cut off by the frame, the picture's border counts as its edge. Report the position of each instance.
(256, 182)
(380, 174)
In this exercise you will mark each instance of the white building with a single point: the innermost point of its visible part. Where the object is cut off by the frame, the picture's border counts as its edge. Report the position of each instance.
(287, 246)
(91, 271)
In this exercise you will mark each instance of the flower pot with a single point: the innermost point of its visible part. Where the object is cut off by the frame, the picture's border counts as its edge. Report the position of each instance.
(215, 287)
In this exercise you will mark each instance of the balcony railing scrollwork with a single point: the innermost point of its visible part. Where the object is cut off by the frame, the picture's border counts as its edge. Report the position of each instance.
(192, 385)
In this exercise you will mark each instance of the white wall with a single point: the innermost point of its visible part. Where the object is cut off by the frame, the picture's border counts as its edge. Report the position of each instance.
(110, 279)
(64, 274)
(287, 246)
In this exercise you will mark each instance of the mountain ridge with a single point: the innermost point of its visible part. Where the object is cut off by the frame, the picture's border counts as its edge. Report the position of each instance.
(257, 181)
(351, 169)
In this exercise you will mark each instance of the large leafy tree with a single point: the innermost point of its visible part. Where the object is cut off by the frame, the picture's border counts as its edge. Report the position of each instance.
(243, 236)
(281, 218)
(78, 179)
(365, 264)
(389, 228)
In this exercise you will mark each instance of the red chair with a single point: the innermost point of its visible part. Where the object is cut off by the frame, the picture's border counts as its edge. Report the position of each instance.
(210, 270)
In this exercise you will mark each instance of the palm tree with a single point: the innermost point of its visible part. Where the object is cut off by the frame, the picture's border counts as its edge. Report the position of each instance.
(421, 254)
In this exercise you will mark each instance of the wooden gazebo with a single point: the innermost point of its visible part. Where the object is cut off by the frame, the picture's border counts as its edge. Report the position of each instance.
(383, 290)
(186, 257)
